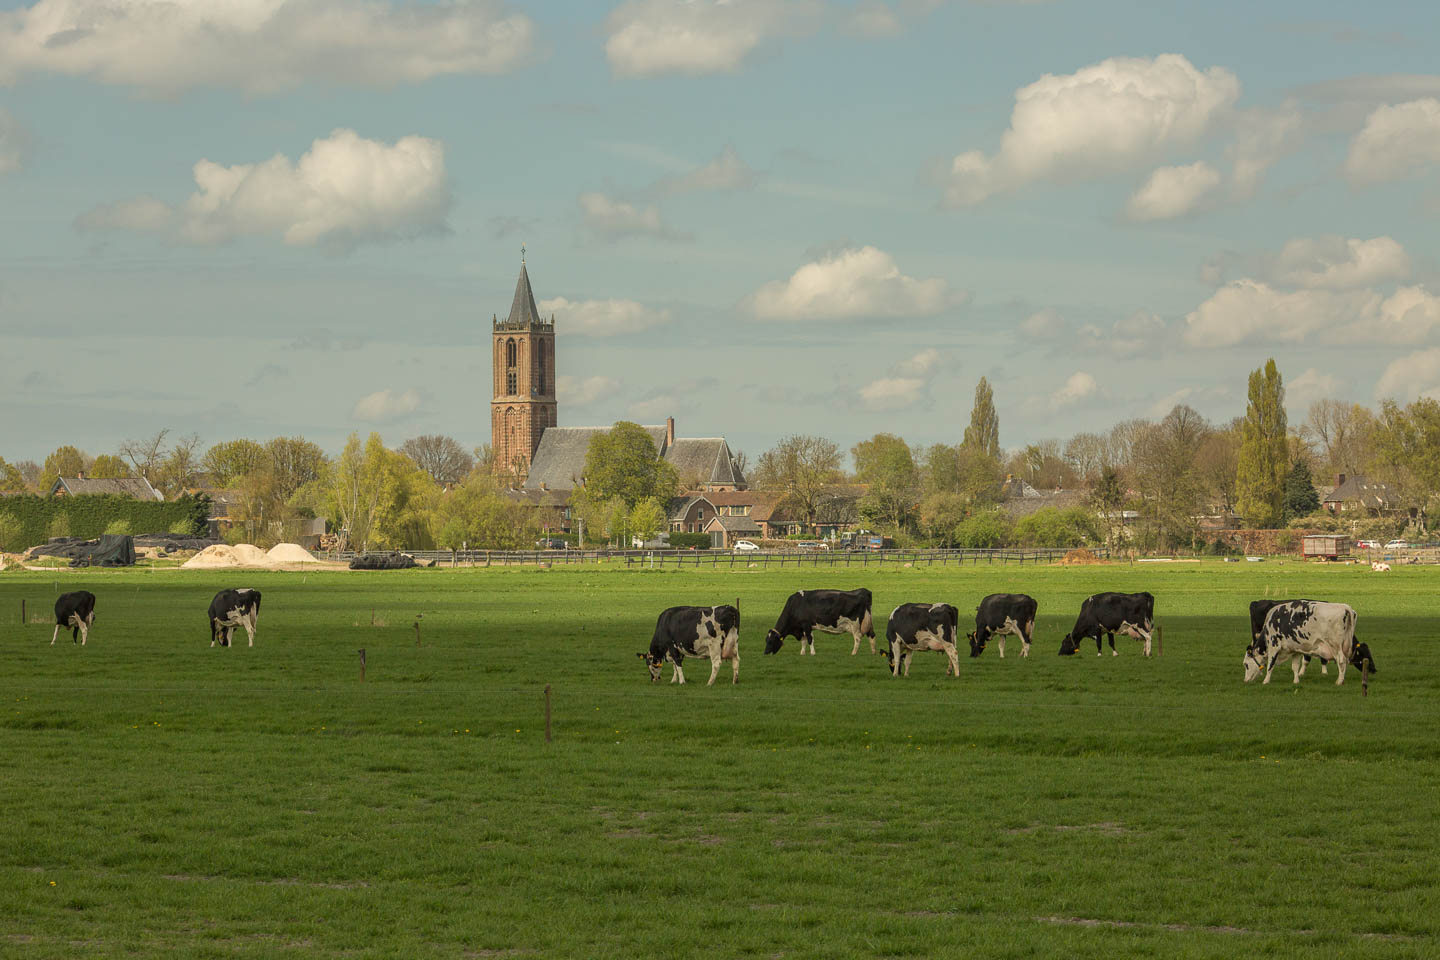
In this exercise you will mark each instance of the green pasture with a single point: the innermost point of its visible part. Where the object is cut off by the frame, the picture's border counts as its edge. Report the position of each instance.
(162, 798)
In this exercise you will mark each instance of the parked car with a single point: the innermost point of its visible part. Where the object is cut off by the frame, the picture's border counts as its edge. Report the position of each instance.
(1397, 545)
(1367, 544)
(551, 543)
(815, 545)
(744, 546)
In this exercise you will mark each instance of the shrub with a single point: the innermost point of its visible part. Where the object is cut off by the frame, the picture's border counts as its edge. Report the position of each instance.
(12, 535)
(985, 530)
(684, 541)
(1072, 527)
(182, 528)
(59, 526)
(1285, 541)
(119, 528)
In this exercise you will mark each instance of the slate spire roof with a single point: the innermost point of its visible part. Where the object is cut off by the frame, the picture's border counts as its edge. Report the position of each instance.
(523, 311)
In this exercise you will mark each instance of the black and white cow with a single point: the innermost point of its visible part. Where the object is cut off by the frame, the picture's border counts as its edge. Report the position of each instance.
(829, 611)
(682, 632)
(76, 611)
(1000, 614)
(1132, 614)
(1293, 629)
(231, 609)
(922, 626)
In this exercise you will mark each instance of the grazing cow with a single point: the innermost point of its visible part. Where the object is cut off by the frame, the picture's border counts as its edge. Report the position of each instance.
(231, 609)
(1132, 614)
(682, 632)
(1002, 613)
(922, 626)
(829, 611)
(1380, 566)
(1294, 628)
(1258, 610)
(76, 611)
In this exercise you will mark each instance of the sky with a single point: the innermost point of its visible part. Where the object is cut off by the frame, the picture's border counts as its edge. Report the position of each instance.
(762, 217)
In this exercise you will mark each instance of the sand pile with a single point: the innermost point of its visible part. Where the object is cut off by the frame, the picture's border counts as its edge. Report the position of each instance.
(220, 556)
(290, 553)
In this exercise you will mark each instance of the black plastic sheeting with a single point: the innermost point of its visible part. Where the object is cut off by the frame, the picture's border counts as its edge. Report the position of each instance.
(76, 547)
(171, 543)
(383, 561)
(111, 550)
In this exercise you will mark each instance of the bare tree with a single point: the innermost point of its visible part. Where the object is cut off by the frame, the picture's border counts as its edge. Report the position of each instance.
(802, 468)
(177, 471)
(741, 463)
(1342, 435)
(146, 455)
(440, 456)
(1088, 455)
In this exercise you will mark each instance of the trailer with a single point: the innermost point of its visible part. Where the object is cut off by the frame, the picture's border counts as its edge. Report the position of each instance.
(1325, 546)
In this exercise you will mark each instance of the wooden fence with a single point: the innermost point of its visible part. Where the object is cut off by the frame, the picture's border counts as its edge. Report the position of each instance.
(723, 559)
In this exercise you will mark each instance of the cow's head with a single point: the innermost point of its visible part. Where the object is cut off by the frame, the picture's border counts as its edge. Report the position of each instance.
(1359, 654)
(654, 663)
(889, 659)
(1069, 646)
(773, 642)
(1254, 662)
(976, 646)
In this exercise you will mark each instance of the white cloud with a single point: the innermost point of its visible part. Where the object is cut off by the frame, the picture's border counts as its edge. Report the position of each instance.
(261, 46)
(1308, 387)
(344, 191)
(603, 318)
(612, 219)
(906, 384)
(1410, 377)
(576, 392)
(1262, 136)
(1172, 192)
(1336, 263)
(144, 214)
(385, 405)
(1079, 386)
(12, 137)
(1128, 337)
(726, 172)
(1111, 117)
(1044, 325)
(648, 37)
(1397, 141)
(853, 283)
(1251, 311)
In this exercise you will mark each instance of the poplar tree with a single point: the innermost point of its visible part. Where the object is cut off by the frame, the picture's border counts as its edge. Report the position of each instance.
(1264, 452)
(983, 434)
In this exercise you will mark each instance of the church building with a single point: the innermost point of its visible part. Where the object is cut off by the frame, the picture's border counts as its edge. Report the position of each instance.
(533, 451)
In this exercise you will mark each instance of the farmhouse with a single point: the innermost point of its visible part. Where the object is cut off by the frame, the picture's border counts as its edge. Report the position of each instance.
(1360, 496)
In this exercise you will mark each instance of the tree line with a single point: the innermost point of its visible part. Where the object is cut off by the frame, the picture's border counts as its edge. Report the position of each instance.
(1146, 482)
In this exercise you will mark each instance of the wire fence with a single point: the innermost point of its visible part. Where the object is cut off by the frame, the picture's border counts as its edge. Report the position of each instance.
(724, 559)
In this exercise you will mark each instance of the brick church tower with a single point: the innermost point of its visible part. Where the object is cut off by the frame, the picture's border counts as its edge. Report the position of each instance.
(522, 401)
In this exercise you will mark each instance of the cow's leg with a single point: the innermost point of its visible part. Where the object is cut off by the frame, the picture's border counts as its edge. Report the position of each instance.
(1269, 666)
(1149, 631)
(1113, 651)
(732, 652)
(1324, 667)
(954, 665)
(867, 624)
(1340, 663)
(810, 641)
(250, 628)
(55, 634)
(1000, 642)
(677, 675)
(84, 627)
(212, 634)
(714, 668)
(856, 633)
(1027, 637)
(907, 662)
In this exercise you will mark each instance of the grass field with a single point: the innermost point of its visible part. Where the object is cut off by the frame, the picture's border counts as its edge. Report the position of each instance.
(161, 797)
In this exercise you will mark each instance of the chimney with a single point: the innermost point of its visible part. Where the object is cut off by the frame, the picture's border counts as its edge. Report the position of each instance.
(1340, 480)
(669, 431)
(79, 474)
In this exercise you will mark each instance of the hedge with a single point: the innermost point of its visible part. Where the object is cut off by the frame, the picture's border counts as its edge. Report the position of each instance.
(684, 541)
(90, 516)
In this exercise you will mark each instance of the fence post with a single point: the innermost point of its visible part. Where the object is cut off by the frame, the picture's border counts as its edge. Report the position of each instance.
(417, 633)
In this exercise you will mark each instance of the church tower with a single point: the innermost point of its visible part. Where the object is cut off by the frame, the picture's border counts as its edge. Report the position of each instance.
(522, 401)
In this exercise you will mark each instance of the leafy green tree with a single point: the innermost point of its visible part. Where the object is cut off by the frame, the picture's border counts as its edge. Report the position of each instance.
(1107, 499)
(647, 519)
(980, 475)
(1264, 450)
(986, 529)
(1050, 527)
(453, 534)
(983, 434)
(11, 480)
(363, 490)
(66, 461)
(108, 467)
(623, 462)
(1407, 450)
(940, 514)
(885, 463)
(1301, 499)
(295, 462)
(489, 520)
(228, 461)
(176, 473)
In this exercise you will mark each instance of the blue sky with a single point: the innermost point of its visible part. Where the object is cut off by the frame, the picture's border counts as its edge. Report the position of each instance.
(761, 217)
